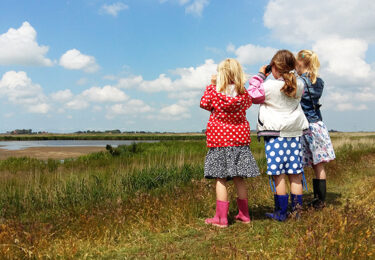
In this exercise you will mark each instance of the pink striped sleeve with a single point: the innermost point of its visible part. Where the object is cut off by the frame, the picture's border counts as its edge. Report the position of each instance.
(256, 89)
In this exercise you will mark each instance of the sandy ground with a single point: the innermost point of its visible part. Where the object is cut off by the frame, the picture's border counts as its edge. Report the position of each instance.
(50, 152)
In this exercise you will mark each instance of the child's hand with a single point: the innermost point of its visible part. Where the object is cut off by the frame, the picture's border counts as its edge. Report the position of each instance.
(263, 69)
(213, 79)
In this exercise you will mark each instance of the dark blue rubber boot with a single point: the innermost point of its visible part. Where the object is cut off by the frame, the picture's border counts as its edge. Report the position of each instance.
(296, 201)
(281, 207)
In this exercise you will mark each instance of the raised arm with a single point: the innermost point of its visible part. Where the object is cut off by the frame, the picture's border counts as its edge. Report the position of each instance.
(206, 100)
(256, 89)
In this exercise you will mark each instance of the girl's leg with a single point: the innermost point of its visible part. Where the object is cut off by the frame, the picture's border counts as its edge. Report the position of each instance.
(221, 189)
(319, 185)
(281, 199)
(222, 205)
(295, 184)
(240, 187)
(320, 173)
(280, 184)
(242, 203)
(296, 193)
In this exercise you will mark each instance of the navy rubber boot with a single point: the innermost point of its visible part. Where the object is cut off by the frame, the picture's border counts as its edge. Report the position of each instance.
(296, 201)
(281, 207)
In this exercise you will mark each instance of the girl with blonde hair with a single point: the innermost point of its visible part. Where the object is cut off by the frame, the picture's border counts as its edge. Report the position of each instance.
(281, 122)
(316, 144)
(228, 138)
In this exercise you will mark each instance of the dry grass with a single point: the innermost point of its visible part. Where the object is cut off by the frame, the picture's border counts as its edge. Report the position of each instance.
(161, 214)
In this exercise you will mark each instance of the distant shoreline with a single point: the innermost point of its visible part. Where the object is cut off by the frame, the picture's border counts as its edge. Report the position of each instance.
(44, 153)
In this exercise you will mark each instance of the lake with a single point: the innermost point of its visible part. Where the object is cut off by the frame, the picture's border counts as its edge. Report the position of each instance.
(20, 145)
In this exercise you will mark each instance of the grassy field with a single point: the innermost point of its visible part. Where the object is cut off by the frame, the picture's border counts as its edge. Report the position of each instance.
(150, 201)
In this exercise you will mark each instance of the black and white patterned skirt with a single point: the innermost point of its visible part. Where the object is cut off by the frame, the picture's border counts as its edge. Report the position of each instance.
(229, 162)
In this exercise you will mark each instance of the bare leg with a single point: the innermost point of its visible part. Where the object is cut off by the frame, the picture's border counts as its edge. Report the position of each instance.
(281, 199)
(240, 187)
(222, 205)
(319, 171)
(295, 184)
(280, 184)
(221, 189)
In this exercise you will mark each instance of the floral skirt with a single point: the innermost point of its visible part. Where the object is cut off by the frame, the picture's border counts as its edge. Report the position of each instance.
(229, 162)
(316, 145)
(284, 155)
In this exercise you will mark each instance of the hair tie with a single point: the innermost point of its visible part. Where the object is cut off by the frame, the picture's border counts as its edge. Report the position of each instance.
(303, 55)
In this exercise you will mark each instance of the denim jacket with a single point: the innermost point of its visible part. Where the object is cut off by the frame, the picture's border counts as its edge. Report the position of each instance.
(312, 114)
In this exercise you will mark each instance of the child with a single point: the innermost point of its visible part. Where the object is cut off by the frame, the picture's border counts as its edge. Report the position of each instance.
(281, 121)
(228, 138)
(316, 144)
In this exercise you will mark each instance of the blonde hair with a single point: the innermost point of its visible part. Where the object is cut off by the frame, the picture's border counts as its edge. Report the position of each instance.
(311, 62)
(230, 72)
(285, 63)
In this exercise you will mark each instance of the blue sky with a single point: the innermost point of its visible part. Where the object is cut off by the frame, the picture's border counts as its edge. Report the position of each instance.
(144, 64)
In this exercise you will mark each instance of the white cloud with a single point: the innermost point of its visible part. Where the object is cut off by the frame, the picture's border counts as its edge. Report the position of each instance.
(19, 89)
(113, 9)
(184, 86)
(252, 54)
(42, 108)
(19, 47)
(77, 104)
(340, 37)
(301, 21)
(162, 83)
(194, 7)
(105, 94)
(343, 57)
(175, 111)
(185, 95)
(343, 100)
(194, 78)
(130, 82)
(188, 79)
(74, 60)
(132, 107)
(62, 95)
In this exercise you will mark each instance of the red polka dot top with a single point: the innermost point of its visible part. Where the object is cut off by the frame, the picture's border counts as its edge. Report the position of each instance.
(227, 125)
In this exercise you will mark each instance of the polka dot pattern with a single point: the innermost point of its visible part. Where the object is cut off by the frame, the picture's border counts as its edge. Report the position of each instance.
(229, 162)
(227, 125)
(283, 155)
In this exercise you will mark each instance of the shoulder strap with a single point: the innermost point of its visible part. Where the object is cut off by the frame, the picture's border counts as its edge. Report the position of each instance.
(308, 90)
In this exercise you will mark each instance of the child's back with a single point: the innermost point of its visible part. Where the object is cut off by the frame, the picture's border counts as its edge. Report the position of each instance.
(228, 137)
(280, 112)
(227, 125)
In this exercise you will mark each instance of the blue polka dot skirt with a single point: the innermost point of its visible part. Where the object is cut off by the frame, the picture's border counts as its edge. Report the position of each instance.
(284, 155)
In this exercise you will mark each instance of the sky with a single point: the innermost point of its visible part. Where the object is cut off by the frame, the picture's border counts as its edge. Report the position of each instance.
(143, 65)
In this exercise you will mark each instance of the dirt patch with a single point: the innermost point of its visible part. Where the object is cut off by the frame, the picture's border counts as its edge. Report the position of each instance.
(50, 152)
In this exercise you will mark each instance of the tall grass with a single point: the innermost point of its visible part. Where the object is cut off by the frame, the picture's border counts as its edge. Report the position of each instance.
(150, 200)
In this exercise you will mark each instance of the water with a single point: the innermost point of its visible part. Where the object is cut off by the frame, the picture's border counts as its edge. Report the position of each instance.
(20, 145)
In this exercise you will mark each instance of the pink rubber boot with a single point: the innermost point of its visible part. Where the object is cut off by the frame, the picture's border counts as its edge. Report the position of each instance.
(243, 211)
(221, 216)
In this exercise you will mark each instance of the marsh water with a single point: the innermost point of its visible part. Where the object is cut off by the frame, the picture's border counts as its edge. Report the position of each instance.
(20, 145)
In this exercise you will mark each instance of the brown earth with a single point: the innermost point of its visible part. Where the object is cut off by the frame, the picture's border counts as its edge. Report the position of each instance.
(50, 152)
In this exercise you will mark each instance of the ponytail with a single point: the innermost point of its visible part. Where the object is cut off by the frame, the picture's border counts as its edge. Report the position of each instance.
(290, 86)
(285, 63)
